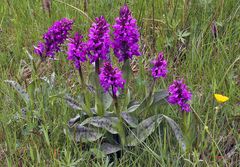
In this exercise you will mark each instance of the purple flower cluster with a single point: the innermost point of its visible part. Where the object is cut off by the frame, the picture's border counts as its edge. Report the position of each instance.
(179, 94)
(126, 35)
(159, 68)
(99, 40)
(54, 38)
(77, 50)
(111, 78)
(124, 44)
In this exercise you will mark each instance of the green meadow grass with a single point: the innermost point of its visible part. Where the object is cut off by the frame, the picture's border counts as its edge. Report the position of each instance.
(182, 29)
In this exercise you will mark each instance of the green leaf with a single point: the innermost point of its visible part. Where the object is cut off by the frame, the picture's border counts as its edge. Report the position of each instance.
(91, 88)
(72, 103)
(185, 34)
(94, 112)
(127, 72)
(52, 79)
(23, 114)
(29, 55)
(160, 95)
(107, 100)
(143, 130)
(98, 154)
(20, 90)
(85, 134)
(108, 123)
(128, 98)
(108, 148)
(177, 131)
(132, 121)
(144, 104)
(126, 68)
(92, 78)
(109, 114)
(133, 108)
(181, 35)
(72, 121)
(46, 80)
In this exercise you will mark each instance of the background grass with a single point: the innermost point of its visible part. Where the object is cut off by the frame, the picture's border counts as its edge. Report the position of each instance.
(182, 29)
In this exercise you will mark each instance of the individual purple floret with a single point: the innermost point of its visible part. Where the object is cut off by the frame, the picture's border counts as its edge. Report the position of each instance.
(111, 78)
(99, 40)
(126, 35)
(39, 49)
(159, 68)
(77, 50)
(179, 94)
(54, 38)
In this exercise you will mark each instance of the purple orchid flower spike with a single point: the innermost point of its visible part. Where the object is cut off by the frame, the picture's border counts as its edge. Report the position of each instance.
(54, 38)
(126, 35)
(111, 78)
(179, 95)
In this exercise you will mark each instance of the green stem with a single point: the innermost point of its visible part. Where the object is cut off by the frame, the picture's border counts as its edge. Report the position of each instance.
(149, 96)
(126, 74)
(120, 123)
(213, 134)
(152, 87)
(97, 66)
(115, 103)
(98, 102)
(215, 119)
(185, 128)
(85, 93)
(81, 77)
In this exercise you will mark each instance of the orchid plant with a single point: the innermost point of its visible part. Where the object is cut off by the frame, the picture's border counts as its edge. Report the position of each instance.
(116, 123)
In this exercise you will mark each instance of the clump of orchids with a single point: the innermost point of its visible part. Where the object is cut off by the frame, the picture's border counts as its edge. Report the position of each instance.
(116, 123)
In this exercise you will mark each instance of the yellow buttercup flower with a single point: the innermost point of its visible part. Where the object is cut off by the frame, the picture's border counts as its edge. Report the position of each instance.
(220, 98)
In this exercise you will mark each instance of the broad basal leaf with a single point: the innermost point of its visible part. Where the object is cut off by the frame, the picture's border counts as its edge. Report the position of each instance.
(143, 105)
(143, 130)
(108, 123)
(91, 88)
(85, 134)
(72, 103)
(177, 131)
(20, 90)
(24, 113)
(78, 105)
(132, 121)
(160, 95)
(108, 148)
(72, 121)
(133, 108)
